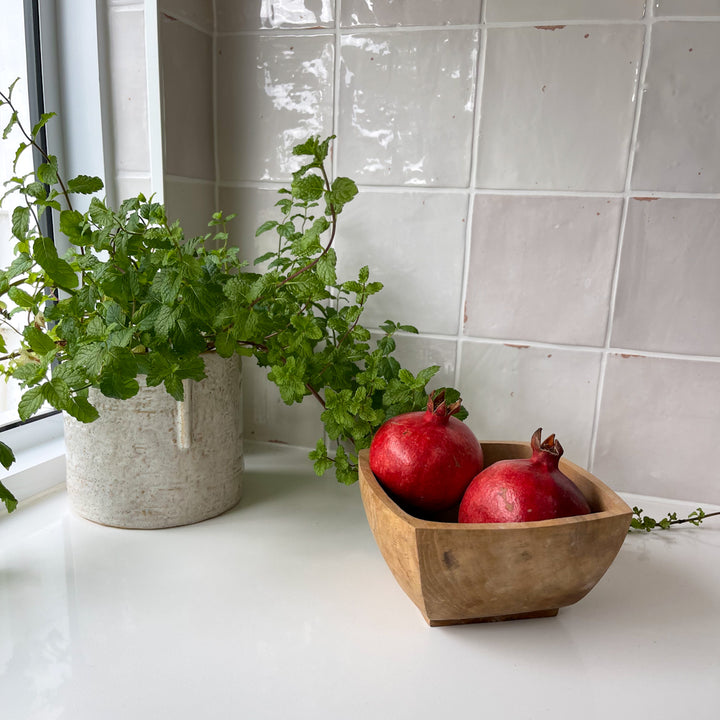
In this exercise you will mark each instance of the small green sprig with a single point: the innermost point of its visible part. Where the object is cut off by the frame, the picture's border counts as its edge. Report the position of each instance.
(304, 323)
(643, 522)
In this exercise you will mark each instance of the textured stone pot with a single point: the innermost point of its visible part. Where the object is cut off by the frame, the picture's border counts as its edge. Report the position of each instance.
(152, 462)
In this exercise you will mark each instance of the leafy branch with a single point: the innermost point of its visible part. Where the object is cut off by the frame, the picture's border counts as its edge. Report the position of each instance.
(643, 522)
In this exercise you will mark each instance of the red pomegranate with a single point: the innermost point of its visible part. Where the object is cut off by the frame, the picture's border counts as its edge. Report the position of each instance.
(522, 490)
(426, 459)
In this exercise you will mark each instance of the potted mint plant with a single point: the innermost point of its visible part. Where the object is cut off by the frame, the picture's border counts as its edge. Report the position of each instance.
(134, 307)
(122, 323)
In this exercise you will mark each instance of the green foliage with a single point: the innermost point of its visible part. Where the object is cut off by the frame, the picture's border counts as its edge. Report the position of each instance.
(643, 522)
(303, 323)
(133, 296)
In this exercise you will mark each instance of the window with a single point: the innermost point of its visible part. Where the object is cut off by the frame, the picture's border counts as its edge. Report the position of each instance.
(38, 442)
(13, 65)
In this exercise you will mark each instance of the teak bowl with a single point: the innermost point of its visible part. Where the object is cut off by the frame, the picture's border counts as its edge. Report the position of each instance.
(482, 572)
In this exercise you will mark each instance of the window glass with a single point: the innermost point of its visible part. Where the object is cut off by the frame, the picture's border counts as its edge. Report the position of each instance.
(12, 65)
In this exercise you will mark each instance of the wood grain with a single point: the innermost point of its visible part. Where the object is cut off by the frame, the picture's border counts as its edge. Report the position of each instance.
(460, 573)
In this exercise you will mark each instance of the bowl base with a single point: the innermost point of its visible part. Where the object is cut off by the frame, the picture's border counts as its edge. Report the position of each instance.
(497, 618)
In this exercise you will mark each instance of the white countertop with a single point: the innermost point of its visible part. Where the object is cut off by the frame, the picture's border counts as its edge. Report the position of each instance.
(283, 608)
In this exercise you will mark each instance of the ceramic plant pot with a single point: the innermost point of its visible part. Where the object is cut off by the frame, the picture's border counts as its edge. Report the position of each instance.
(462, 573)
(153, 462)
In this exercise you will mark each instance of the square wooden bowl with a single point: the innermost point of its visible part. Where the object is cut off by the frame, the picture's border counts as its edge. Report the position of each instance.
(482, 572)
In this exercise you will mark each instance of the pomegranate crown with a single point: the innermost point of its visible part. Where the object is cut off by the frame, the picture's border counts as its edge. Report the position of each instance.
(550, 444)
(438, 406)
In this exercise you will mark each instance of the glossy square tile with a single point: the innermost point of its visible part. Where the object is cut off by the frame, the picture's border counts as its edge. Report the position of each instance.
(192, 203)
(668, 295)
(130, 185)
(541, 268)
(275, 91)
(678, 147)
(267, 418)
(197, 12)
(234, 16)
(510, 391)
(687, 7)
(186, 60)
(385, 13)
(252, 207)
(658, 428)
(128, 90)
(532, 10)
(407, 103)
(414, 244)
(416, 352)
(564, 120)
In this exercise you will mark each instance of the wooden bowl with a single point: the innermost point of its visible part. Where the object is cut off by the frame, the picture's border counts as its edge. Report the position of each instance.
(482, 572)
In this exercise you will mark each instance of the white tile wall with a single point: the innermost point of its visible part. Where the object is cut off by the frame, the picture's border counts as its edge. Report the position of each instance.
(485, 147)
(549, 119)
(687, 7)
(539, 11)
(419, 12)
(541, 267)
(129, 90)
(677, 147)
(391, 134)
(186, 59)
(414, 244)
(273, 92)
(668, 295)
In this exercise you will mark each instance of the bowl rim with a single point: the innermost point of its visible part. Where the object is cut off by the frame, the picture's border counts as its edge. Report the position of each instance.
(616, 506)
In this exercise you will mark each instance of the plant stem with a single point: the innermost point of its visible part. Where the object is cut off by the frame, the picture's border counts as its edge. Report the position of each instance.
(37, 147)
(693, 519)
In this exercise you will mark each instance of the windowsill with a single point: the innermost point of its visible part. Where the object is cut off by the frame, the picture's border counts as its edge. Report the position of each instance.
(39, 464)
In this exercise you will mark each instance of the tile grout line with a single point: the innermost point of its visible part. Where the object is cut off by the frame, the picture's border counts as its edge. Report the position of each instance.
(474, 150)
(428, 189)
(214, 70)
(337, 59)
(337, 39)
(627, 194)
(337, 28)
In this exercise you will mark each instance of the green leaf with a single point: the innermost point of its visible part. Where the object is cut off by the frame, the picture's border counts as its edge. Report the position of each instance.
(7, 457)
(11, 123)
(85, 184)
(57, 393)
(116, 386)
(309, 187)
(21, 298)
(342, 191)
(59, 271)
(38, 341)
(92, 356)
(47, 171)
(326, 267)
(21, 264)
(269, 225)
(225, 344)
(288, 378)
(321, 462)
(71, 224)
(20, 222)
(166, 320)
(174, 386)
(6, 496)
(40, 124)
(30, 402)
(81, 409)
